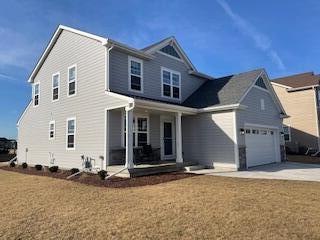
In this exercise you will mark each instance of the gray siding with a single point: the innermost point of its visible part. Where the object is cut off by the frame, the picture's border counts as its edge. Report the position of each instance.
(208, 138)
(151, 76)
(253, 114)
(87, 106)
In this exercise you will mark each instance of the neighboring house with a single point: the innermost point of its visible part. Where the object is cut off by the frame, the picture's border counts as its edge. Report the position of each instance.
(299, 95)
(7, 144)
(97, 97)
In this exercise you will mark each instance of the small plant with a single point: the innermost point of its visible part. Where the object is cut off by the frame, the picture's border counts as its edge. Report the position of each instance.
(102, 174)
(24, 165)
(74, 170)
(38, 167)
(53, 169)
(12, 164)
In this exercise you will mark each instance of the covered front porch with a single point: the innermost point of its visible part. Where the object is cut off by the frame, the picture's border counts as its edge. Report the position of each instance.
(144, 138)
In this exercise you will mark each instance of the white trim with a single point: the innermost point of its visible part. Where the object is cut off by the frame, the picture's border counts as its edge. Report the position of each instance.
(24, 112)
(179, 155)
(235, 140)
(166, 118)
(120, 96)
(171, 84)
(316, 95)
(134, 59)
(52, 88)
(223, 108)
(260, 126)
(106, 140)
(262, 89)
(129, 148)
(75, 80)
(54, 130)
(67, 134)
(302, 88)
(279, 85)
(250, 87)
(168, 55)
(33, 94)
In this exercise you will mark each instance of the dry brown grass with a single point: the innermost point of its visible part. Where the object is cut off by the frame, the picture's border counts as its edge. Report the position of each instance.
(203, 207)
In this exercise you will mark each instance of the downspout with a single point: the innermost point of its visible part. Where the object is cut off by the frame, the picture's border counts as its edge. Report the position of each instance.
(107, 65)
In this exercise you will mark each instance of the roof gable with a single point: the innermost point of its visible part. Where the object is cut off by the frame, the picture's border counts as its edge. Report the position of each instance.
(168, 45)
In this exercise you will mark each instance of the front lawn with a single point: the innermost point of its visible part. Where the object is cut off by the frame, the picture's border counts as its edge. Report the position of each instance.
(201, 207)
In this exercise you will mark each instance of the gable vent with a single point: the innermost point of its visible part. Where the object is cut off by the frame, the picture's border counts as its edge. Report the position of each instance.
(170, 51)
(260, 83)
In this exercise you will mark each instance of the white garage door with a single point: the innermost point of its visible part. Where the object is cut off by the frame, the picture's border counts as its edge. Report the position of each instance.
(260, 146)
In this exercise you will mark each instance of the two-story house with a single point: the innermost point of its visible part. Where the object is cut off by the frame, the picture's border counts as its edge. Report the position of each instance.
(97, 97)
(299, 95)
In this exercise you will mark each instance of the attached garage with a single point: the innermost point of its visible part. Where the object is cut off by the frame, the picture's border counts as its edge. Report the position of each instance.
(262, 146)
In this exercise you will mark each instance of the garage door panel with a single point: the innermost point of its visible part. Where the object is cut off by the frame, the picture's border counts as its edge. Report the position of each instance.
(260, 146)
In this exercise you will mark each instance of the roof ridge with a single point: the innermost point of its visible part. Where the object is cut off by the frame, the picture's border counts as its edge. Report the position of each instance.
(295, 75)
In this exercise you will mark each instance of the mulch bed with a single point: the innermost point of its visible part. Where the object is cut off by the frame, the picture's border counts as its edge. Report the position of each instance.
(113, 182)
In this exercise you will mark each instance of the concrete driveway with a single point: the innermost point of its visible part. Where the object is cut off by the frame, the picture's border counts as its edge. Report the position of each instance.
(286, 170)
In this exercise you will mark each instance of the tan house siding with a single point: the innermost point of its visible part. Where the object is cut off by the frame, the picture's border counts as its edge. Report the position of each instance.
(302, 109)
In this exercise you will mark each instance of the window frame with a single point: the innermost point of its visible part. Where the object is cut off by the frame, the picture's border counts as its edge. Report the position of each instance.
(289, 133)
(52, 87)
(135, 129)
(74, 133)
(34, 95)
(130, 58)
(75, 80)
(171, 84)
(54, 130)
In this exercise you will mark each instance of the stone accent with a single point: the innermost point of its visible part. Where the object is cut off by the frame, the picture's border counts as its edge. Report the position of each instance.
(283, 155)
(242, 158)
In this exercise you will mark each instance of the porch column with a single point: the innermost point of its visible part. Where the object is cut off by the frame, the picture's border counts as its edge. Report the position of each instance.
(129, 138)
(179, 158)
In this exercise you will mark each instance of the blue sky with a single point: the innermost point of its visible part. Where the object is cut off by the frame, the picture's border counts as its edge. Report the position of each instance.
(221, 37)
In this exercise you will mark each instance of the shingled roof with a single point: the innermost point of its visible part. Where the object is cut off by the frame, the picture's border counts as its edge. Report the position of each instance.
(299, 80)
(222, 91)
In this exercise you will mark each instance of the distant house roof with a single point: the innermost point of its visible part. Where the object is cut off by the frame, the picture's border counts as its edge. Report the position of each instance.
(299, 80)
(222, 91)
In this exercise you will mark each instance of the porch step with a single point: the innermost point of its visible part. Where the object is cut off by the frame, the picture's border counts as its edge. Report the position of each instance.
(190, 168)
(142, 170)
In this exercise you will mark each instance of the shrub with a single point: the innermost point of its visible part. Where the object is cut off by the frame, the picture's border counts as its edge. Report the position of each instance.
(24, 165)
(38, 167)
(102, 174)
(12, 164)
(74, 170)
(53, 169)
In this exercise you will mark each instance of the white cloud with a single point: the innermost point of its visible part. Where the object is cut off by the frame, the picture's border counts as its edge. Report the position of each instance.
(261, 41)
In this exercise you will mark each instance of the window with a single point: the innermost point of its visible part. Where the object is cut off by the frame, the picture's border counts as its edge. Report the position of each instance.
(260, 83)
(140, 130)
(55, 86)
(52, 130)
(248, 131)
(264, 132)
(170, 50)
(135, 74)
(287, 133)
(71, 131)
(262, 105)
(72, 80)
(36, 94)
(170, 83)
(255, 131)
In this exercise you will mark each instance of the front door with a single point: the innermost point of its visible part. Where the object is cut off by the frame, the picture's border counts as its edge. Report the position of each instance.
(167, 139)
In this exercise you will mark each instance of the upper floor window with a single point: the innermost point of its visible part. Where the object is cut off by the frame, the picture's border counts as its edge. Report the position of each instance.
(287, 133)
(260, 83)
(71, 132)
(72, 80)
(51, 130)
(135, 74)
(55, 86)
(36, 94)
(170, 50)
(171, 82)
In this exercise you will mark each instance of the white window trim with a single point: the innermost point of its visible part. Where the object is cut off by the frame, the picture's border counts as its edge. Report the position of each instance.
(54, 130)
(33, 93)
(262, 104)
(171, 85)
(67, 134)
(75, 80)
(55, 74)
(130, 58)
(135, 117)
(289, 133)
